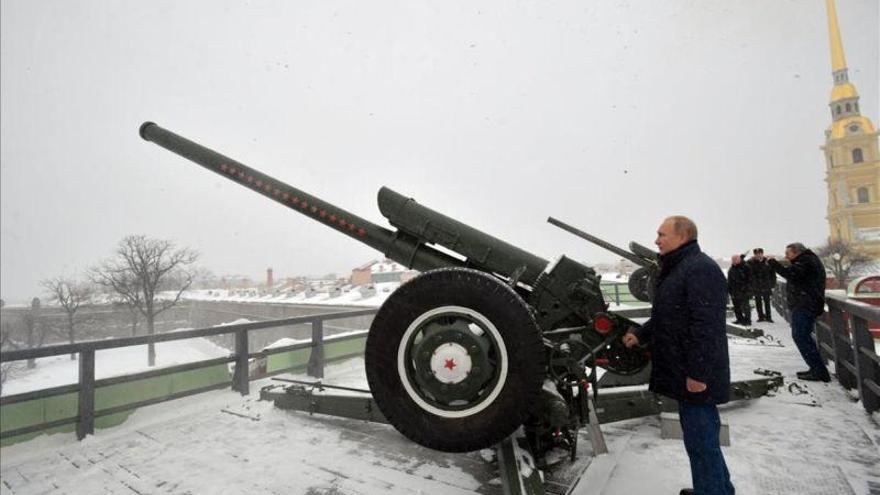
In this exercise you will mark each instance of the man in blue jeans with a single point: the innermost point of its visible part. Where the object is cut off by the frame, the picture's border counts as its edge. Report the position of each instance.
(805, 294)
(687, 335)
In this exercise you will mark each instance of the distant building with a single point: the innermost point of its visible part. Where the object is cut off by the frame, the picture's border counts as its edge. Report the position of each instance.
(362, 275)
(851, 157)
(381, 271)
(626, 267)
(232, 282)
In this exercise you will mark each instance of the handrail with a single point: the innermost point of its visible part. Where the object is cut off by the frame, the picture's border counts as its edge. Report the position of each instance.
(97, 345)
(854, 306)
(87, 384)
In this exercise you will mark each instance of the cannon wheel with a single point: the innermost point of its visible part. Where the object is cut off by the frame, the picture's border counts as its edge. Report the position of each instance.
(455, 360)
(641, 284)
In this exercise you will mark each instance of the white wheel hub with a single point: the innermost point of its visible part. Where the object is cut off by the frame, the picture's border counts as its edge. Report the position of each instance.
(403, 362)
(450, 363)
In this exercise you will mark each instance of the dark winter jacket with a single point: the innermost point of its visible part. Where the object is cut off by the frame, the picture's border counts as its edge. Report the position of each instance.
(739, 280)
(763, 276)
(806, 282)
(687, 328)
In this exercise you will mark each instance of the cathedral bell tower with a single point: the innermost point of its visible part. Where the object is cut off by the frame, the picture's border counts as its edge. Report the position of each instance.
(851, 157)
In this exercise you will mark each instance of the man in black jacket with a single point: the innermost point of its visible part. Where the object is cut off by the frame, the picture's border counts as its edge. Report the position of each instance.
(687, 335)
(805, 293)
(763, 282)
(739, 284)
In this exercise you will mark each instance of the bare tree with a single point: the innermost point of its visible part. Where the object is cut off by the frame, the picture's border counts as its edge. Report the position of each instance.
(70, 295)
(843, 259)
(140, 270)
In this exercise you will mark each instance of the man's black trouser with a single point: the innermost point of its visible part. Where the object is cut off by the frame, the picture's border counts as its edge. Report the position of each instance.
(762, 304)
(741, 308)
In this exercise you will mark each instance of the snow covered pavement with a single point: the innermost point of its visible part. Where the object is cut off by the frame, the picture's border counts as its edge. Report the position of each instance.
(809, 438)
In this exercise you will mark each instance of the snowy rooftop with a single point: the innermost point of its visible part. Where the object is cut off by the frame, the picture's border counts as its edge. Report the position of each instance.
(808, 438)
(352, 296)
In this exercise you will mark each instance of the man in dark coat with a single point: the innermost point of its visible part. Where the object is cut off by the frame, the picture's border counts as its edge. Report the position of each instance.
(805, 294)
(763, 282)
(687, 335)
(739, 284)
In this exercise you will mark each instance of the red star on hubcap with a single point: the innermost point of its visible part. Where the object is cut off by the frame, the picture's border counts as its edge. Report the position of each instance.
(450, 364)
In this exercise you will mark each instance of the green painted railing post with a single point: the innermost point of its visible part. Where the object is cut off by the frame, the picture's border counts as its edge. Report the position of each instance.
(316, 358)
(864, 359)
(86, 424)
(240, 379)
(842, 347)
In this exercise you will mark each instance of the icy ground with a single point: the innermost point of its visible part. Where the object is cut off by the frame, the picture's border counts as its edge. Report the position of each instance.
(808, 438)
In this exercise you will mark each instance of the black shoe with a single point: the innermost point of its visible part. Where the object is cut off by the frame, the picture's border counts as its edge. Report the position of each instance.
(686, 491)
(800, 374)
(761, 319)
(769, 320)
(812, 377)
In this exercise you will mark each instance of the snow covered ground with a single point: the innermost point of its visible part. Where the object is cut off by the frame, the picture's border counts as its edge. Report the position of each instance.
(808, 438)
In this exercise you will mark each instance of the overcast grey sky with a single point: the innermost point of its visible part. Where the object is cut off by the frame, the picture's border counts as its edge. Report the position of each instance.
(607, 114)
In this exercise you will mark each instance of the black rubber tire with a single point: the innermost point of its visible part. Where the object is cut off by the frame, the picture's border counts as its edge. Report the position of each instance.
(508, 313)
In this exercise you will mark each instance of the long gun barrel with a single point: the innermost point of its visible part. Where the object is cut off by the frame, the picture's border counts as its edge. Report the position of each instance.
(400, 247)
(417, 224)
(644, 261)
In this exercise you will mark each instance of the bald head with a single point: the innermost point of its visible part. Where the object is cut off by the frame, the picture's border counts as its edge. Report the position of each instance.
(684, 226)
(674, 232)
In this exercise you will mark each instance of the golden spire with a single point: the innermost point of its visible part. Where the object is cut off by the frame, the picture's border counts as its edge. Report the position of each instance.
(838, 59)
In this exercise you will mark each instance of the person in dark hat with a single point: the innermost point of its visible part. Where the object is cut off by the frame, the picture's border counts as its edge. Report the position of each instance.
(763, 282)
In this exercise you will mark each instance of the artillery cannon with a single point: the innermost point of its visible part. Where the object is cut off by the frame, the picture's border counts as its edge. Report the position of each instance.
(642, 281)
(488, 338)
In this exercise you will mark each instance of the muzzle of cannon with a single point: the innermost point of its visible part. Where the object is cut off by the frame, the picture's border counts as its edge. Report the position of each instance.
(458, 357)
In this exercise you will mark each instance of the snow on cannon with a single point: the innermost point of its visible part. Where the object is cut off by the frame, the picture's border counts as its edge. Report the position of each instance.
(486, 339)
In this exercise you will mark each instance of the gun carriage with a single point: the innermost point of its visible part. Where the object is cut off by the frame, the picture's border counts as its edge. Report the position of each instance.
(487, 338)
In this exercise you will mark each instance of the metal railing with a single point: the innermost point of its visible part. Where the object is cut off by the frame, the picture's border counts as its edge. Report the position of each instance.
(618, 293)
(843, 337)
(86, 384)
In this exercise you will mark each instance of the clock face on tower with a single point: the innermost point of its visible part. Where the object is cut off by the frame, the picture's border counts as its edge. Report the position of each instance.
(853, 128)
